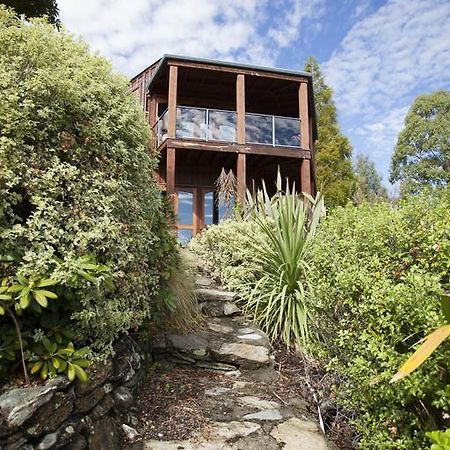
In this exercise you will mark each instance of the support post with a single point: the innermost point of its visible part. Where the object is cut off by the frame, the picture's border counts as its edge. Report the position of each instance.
(151, 102)
(303, 114)
(241, 177)
(170, 173)
(172, 101)
(240, 108)
(305, 176)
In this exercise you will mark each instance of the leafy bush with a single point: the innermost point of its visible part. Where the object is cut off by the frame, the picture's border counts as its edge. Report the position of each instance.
(378, 274)
(440, 439)
(224, 251)
(75, 180)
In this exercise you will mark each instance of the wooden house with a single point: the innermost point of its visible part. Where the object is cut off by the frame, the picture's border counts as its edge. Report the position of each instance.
(212, 115)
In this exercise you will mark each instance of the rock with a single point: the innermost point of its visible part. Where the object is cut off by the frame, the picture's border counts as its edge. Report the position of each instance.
(251, 337)
(193, 345)
(218, 328)
(78, 443)
(86, 403)
(123, 398)
(230, 309)
(255, 402)
(48, 441)
(245, 355)
(55, 412)
(17, 444)
(127, 362)
(98, 374)
(245, 330)
(18, 405)
(205, 295)
(298, 434)
(218, 436)
(130, 433)
(103, 407)
(203, 282)
(267, 414)
(104, 435)
(216, 366)
(217, 391)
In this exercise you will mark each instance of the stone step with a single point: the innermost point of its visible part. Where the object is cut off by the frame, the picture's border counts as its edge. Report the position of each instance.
(226, 344)
(217, 303)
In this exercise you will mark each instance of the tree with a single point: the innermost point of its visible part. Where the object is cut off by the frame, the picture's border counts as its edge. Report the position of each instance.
(76, 178)
(334, 171)
(422, 155)
(35, 8)
(368, 181)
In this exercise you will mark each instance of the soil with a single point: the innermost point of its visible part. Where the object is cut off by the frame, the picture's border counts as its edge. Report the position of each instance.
(172, 403)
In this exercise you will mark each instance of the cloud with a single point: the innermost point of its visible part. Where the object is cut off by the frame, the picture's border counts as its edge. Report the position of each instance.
(385, 61)
(135, 33)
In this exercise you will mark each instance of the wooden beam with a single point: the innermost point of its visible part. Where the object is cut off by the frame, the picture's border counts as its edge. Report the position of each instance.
(229, 147)
(304, 116)
(240, 108)
(305, 176)
(241, 177)
(172, 101)
(216, 68)
(170, 173)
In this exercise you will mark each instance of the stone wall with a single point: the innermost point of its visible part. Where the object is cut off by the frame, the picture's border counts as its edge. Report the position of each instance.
(96, 415)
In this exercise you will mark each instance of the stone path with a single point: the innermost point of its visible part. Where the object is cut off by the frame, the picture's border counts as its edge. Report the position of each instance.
(240, 407)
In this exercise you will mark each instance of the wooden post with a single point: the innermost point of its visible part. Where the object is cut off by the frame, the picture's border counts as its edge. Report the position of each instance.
(172, 101)
(241, 178)
(151, 110)
(303, 114)
(305, 176)
(170, 173)
(240, 109)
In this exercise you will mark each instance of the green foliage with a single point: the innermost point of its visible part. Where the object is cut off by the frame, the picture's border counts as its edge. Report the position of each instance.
(49, 359)
(35, 8)
(368, 181)
(334, 173)
(265, 259)
(75, 180)
(440, 439)
(224, 251)
(182, 309)
(277, 297)
(422, 155)
(378, 274)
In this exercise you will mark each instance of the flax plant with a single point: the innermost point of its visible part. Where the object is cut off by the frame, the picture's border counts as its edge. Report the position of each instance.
(278, 299)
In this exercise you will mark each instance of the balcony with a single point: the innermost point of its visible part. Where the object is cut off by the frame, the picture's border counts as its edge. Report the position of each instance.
(220, 125)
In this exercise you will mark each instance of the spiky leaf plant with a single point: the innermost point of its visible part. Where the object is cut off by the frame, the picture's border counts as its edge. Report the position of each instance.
(278, 299)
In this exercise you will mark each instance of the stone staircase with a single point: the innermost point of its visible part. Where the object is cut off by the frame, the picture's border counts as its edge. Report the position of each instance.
(240, 405)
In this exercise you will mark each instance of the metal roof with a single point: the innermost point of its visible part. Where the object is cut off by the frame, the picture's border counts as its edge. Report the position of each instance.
(214, 62)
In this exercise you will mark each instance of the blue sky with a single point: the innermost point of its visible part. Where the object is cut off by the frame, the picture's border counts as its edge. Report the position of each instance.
(377, 55)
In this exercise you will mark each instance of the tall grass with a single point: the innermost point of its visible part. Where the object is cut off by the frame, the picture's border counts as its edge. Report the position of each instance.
(278, 300)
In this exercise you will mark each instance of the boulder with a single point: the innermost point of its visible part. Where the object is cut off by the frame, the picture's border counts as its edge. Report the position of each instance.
(104, 435)
(246, 356)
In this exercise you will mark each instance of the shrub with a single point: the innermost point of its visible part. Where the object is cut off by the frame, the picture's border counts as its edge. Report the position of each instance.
(224, 251)
(76, 179)
(378, 274)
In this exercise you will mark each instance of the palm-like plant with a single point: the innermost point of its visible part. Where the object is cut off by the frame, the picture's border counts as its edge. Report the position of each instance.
(278, 299)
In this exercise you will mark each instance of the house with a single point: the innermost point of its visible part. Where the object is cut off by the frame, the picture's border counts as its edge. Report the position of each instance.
(212, 115)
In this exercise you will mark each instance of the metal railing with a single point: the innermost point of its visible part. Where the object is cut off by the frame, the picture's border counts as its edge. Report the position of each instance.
(220, 125)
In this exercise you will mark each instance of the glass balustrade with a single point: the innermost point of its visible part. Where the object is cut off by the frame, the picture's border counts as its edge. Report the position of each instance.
(272, 130)
(220, 125)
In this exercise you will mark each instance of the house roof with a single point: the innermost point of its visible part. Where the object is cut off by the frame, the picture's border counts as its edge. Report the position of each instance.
(162, 62)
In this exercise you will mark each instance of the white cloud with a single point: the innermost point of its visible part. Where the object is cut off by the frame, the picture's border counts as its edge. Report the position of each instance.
(135, 33)
(385, 60)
